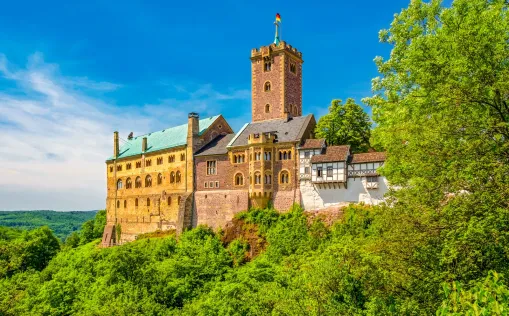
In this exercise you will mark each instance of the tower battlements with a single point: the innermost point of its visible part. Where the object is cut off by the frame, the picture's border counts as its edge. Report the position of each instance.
(282, 46)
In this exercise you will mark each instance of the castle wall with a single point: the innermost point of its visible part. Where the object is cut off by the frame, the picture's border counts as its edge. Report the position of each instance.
(216, 208)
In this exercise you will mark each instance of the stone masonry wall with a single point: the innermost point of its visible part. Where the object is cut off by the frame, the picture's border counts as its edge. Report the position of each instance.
(216, 208)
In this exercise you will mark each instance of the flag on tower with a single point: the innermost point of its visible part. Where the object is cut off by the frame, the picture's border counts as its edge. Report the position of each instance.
(278, 18)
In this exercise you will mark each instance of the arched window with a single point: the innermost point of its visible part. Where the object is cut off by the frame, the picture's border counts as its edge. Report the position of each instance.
(137, 183)
(159, 179)
(285, 155)
(172, 177)
(290, 155)
(136, 202)
(182, 157)
(267, 66)
(268, 179)
(148, 202)
(125, 203)
(128, 183)
(178, 200)
(178, 177)
(148, 181)
(258, 178)
(266, 87)
(295, 110)
(239, 179)
(118, 204)
(119, 184)
(169, 200)
(267, 108)
(284, 177)
(280, 155)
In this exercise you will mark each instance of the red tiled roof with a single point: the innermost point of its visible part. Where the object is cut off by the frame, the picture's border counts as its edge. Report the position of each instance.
(333, 153)
(313, 144)
(369, 157)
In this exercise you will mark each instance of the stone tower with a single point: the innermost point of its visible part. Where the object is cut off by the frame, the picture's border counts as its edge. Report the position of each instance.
(276, 72)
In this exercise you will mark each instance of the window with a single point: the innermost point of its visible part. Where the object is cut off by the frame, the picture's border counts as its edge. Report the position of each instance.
(306, 154)
(137, 182)
(372, 179)
(267, 108)
(172, 177)
(266, 86)
(295, 110)
(125, 203)
(258, 156)
(148, 202)
(119, 167)
(148, 181)
(118, 204)
(160, 160)
(329, 171)
(293, 68)
(206, 184)
(111, 168)
(171, 158)
(128, 183)
(178, 177)
(159, 179)
(178, 200)
(148, 162)
(211, 184)
(285, 155)
(128, 166)
(258, 178)
(217, 184)
(239, 158)
(306, 170)
(268, 179)
(211, 167)
(267, 66)
(136, 202)
(319, 171)
(285, 177)
(138, 164)
(119, 184)
(169, 200)
(268, 155)
(239, 179)
(182, 157)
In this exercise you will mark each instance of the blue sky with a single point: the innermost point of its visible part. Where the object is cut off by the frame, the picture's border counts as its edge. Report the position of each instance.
(72, 72)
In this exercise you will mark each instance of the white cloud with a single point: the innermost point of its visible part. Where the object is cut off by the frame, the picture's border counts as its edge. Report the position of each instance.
(54, 137)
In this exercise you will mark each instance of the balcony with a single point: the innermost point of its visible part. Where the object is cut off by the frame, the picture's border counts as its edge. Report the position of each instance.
(362, 173)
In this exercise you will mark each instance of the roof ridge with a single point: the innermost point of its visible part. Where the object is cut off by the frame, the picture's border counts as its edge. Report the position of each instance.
(164, 129)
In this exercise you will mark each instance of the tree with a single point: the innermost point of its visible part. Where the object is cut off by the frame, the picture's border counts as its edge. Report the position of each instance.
(345, 124)
(442, 114)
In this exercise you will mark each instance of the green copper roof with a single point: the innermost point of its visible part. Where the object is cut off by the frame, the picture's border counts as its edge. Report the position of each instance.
(167, 138)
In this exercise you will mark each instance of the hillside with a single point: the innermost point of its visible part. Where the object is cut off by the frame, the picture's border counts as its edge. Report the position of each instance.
(61, 223)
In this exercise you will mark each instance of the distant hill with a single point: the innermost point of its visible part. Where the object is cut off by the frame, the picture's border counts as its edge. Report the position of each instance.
(62, 223)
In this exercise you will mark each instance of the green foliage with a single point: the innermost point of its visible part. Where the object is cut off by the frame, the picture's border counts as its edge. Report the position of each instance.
(488, 297)
(345, 124)
(61, 223)
(238, 250)
(27, 250)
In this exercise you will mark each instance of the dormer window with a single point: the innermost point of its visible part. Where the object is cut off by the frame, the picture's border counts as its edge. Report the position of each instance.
(266, 86)
(267, 65)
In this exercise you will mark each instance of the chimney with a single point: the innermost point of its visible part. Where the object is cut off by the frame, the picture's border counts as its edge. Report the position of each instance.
(115, 144)
(144, 144)
(193, 124)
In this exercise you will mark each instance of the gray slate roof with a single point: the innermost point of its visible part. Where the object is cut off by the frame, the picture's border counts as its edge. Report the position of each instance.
(286, 131)
(217, 146)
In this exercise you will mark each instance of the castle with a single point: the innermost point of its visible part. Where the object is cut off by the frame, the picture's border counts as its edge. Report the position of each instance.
(204, 173)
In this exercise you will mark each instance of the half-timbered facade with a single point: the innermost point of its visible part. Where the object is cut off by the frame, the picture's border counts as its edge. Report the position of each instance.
(331, 175)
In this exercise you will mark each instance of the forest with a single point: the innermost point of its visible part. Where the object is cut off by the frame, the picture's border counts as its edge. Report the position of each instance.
(61, 223)
(438, 245)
